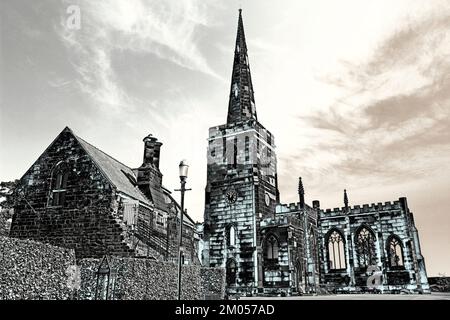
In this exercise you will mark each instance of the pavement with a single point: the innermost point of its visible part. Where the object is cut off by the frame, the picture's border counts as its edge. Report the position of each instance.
(432, 296)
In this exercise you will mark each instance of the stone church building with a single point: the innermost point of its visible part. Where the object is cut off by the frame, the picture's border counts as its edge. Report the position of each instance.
(79, 197)
(272, 248)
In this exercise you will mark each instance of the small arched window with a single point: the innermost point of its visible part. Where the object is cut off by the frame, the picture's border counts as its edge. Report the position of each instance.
(231, 236)
(365, 247)
(395, 250)
(59, 185)
(272, 248)
(336, 251)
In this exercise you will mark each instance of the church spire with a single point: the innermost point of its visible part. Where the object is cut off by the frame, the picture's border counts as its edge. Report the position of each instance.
(241, 106)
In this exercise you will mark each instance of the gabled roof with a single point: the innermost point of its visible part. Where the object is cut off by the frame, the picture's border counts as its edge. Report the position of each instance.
(121, 175)
(187, 219)
(116, 172)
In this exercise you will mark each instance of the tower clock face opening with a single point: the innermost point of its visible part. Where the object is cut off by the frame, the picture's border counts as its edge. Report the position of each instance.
(231, 196)
(267, 199)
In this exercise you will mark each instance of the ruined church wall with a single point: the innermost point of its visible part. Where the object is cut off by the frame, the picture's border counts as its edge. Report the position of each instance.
(276, 272)
(384, 220)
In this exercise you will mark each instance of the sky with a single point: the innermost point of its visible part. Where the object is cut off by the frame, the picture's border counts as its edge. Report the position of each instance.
(356, 93)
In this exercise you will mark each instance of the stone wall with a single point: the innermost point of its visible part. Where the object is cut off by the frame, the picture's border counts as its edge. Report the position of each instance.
(383, 221)
(32, 270)
(86, 223)
(144, 279)
(5, 221)
(296, 269)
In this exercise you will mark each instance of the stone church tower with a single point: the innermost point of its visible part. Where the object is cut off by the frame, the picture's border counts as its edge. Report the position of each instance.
(241, 187)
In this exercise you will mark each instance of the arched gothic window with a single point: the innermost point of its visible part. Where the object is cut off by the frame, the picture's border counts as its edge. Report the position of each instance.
(365, 247)
(395, 250)
(231, 236)
(272, 248)
(336, 251)
(231, 272)
(59, 185)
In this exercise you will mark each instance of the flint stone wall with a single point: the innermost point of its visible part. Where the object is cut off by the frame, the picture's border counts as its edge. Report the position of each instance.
(33, 270)
(5, 221)
(144, 279)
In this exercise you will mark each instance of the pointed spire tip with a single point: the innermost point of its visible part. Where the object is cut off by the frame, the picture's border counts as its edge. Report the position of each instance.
(241, 106)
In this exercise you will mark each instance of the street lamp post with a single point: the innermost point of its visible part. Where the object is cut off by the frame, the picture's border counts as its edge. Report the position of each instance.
(183, 170)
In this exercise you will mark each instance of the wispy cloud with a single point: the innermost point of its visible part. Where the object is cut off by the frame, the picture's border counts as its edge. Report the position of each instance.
(393, 121)
(166, 29)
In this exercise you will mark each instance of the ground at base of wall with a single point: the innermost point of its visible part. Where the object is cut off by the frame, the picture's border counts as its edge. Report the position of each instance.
(233, 293)
(390, 297)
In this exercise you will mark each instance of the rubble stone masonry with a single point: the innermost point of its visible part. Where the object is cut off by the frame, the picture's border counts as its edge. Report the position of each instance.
(33, 270)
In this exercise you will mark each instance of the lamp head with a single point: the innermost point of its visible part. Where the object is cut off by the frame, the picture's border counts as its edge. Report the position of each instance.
(183, 169)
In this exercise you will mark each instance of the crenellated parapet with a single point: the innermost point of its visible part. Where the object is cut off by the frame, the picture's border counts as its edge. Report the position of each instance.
(361, 209)
(291, 208)
(276, 221)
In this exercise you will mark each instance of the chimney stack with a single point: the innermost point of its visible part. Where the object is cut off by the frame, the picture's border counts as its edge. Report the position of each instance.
(152, 149)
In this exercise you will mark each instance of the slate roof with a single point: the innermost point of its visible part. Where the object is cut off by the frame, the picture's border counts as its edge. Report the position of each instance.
(114, 170)
(121, 177)
(187, 218)
(159, 198)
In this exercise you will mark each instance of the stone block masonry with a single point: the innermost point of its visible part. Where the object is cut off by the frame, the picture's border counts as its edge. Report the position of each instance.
(88, 221)
(76, 196)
